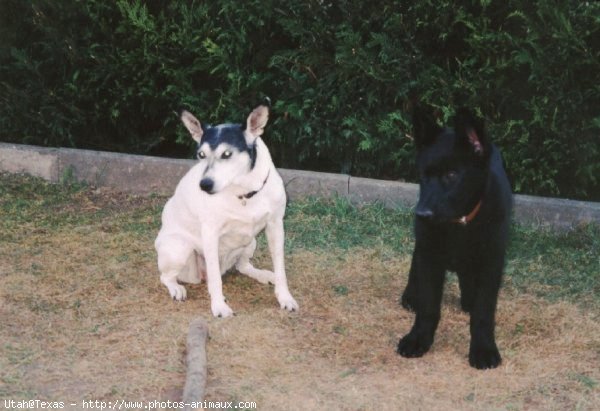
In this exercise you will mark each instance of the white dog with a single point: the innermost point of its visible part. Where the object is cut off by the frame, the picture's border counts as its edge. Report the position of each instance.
(219, 207)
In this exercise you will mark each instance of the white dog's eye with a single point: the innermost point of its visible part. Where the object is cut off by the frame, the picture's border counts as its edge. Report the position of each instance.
(201, 155)
(226, 155)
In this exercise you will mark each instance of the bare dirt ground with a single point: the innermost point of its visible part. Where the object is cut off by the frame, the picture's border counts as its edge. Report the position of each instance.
(83, 316)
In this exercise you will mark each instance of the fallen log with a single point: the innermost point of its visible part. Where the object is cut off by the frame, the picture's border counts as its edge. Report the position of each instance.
(195, 381)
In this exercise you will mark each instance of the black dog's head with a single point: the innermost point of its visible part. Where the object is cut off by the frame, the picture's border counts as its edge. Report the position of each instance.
(453, 166)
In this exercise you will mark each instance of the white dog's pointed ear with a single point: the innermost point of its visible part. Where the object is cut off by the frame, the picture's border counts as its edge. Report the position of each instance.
(192, 124)
(257, 120)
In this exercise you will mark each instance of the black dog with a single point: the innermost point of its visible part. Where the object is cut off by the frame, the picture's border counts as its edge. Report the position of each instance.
(462, 223)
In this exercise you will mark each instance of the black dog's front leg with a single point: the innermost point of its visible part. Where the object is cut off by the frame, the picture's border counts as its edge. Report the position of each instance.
(409, 296)
(429, 276)
(483, 352)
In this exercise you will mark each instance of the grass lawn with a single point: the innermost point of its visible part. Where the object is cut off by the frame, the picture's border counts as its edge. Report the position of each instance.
(83, 315)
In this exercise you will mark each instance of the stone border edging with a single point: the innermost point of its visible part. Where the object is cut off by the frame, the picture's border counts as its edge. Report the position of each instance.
(144, 175)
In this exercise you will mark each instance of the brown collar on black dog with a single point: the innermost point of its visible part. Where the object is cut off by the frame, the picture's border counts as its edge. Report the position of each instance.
(251, 194)
(464, 220)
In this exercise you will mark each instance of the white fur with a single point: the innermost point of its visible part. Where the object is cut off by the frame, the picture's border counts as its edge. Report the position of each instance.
(204, 235)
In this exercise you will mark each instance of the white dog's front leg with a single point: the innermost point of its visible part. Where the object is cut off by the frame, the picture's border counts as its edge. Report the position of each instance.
(218, 305)
(245, 267)
(275, 238)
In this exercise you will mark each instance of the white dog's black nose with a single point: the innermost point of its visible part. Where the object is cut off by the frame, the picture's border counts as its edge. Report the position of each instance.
(207, 185)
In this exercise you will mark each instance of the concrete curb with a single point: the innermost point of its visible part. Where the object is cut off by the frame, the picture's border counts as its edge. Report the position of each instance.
(145, 175)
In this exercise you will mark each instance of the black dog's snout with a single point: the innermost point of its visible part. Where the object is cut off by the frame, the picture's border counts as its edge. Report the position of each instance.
(207, 185)
(425, 213)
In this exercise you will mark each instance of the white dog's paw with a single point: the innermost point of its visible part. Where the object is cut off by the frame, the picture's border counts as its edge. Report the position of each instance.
(221, 309)
(265, 277)
(286, 301)
(177, 291)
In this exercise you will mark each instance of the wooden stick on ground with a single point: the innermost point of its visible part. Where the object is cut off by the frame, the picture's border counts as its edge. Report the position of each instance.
(195, 381)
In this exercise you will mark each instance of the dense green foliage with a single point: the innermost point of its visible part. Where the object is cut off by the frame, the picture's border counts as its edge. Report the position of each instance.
(111, 75)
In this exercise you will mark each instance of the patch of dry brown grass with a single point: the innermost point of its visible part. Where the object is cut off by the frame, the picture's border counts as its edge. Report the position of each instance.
(84, 317)
(338, 352)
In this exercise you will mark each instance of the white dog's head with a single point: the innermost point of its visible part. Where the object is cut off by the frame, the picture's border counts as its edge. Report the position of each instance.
(227, 151)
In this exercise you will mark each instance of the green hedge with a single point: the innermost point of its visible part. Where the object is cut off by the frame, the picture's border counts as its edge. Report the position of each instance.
(112, 75)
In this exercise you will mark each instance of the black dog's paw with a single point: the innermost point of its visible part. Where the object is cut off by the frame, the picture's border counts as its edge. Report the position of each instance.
(408, 301)
(410, 346)
(484, 356)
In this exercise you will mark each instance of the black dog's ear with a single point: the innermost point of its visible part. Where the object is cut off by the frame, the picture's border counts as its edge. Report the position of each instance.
(471, 132)
(425, 128)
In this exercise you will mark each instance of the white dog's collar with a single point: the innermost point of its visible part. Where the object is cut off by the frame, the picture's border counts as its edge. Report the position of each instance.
(251, 194)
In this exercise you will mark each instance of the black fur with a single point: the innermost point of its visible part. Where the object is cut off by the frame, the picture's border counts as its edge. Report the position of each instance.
(232, 134)
(458, 169)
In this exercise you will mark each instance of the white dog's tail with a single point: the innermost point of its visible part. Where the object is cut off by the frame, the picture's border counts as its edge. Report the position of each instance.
(194, 271)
